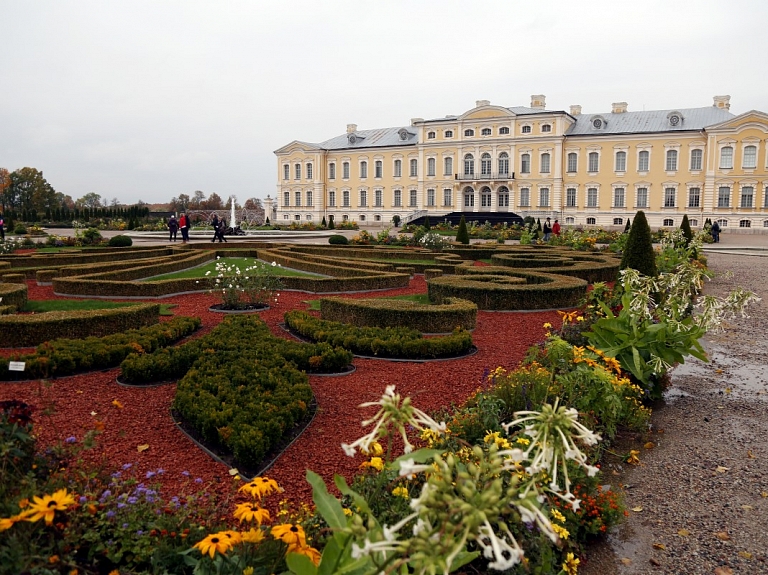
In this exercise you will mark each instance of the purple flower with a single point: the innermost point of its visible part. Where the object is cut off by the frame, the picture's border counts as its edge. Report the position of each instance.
(125, 526)
(111, 514)
(116, 475)
(127, 466)
(150, 474)
(150, 499)
(120, 505)
(198, 480)
(185, 473)
(82, 499)
(133, 500)
(160, 471)
(106, 494)
(71, 439)
(139, 532)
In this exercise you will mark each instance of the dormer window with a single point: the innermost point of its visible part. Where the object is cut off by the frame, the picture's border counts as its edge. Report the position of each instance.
(431, 135)
(504, 130)
(675, 118)
(526, 129)
(404, 134)
(598, 123)
(354, 138)
(486, 132)
(469, 133)
(546, 128)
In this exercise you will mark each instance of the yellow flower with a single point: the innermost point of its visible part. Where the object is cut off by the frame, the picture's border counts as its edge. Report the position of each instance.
(214, 543)
(374, 449)
(557, 515)
(53, 559)
(562, 532)
(571, 564)
(580, 318)
(347, 511)
(633, 458)
(248, 570)
(251, 512)
(252, 536)
(261, 486)
(114, 572)
(377, 463)
(290, 534)
(311, 552)
(400, 492)
(45, 507)
(523, 441)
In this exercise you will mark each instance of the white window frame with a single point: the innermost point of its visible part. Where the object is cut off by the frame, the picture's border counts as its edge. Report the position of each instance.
(297, 169)
(503, 197)
(570, 197)
(486, 132)
(469, 165)
(331, 198)
(414, 168)
(345, 170)
(447, 197)
(593, 165)
(670, 197)
(643, 161)
(448, 134)
(378, 198)
(431, 166)
(724, 196)
(486, 164)
(413, 199)
(378, 167)
(743, 196)
(448, 166)
(503, 163)
(619, 197)
(469, 133)
(286, 199)
(332, 170)
(593, 197)
(620, 163)
(485, 197)
(726, 158)
(572, 162)
(671, 161)
(503, 130)
(431, 197)
(310, 198)
(641, 192)
(694, 197)
(363, 169)
(525, 163)
(545, 163)
(397, 170)
(525, 197)
(309, 170)
(297, 196)
(362, 198)
(696, 159)
(397, 199)
(286, 171)
(345, 199)
(752, 157)
(544, 197)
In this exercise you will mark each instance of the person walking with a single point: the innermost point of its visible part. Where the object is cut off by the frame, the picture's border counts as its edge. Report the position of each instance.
(547, 230)
(556, 228)
(715, 230)
(222, 229)
(173, 226)
(215, 224)
(184, 227)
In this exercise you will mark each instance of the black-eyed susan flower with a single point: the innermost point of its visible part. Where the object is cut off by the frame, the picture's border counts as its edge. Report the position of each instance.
(290, 534)
(252, 536)
(251, 512)
(311, 552)
(45, 507)
(214, 543)
(261, 486)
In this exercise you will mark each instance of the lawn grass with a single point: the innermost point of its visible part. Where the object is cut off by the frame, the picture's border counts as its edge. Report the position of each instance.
(42, 306)
(242, 263)
(314, 304)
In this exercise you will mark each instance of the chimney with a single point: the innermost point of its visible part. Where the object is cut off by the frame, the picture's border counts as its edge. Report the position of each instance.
(575, 110)
(538, 101)
(351, 128)
(619, 107)
(723, 102)
(480, 103)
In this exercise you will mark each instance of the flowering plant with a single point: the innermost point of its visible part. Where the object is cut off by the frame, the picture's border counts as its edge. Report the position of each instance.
(255, 286)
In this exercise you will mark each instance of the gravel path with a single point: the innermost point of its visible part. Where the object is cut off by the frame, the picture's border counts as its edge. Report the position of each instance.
(699, 500)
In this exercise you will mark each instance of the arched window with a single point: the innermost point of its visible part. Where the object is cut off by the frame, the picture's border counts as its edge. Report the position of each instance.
(621, 162)
(414, 167)
(745, 223)
(618, 221)
(431, 135)
(546, 128)
(696, 156)
(594, 161)
(448, 166)
(591, 221)
(668, 222)
(525, 129)
(469, 197)
(485, 164)
(545, 163)
(503, 200)
(469, 165)
(573, 160)
(469, 133)
(671, 160)
(643, 161)
(569, 221)
(503, 163)
(525, 164)
(503, 130)
(485, 197)
(379, 167)
(448, 134)
(398, 168)
(485, 132)
(750, 158)
(726, 158)
(363, 169)
(430, 166)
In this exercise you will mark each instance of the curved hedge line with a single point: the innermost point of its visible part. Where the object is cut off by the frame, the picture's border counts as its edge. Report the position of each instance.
(389, 342)
(514, 290)
(34, 329)
(61, 357)
(240, 395)
(13, 295)
(383, 312)
(589, 267)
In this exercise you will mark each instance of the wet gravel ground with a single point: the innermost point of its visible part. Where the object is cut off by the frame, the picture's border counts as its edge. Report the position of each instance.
(699, 500)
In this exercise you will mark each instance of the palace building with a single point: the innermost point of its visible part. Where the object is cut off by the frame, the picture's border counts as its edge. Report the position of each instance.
(584, 169)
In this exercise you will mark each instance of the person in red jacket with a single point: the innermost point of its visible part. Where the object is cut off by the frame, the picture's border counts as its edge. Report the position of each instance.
(556, 228)
(184, 227)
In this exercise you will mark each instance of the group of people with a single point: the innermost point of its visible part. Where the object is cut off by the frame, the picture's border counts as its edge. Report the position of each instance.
(549, 229)
(175, 225)
(219, 226)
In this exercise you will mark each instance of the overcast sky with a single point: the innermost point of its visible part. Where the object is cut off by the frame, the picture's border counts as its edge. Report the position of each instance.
(146, 100)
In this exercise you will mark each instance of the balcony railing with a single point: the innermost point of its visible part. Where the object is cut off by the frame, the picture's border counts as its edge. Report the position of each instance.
(479, 177)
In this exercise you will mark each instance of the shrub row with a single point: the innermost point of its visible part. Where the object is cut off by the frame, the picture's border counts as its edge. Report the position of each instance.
(13, 278)
(173, 363)
(90, 256)
(61, 357)
(390, 342)
(45, 277)
(383, 312)
(509, 289)
(13, 295)
(590, 268)
(242, 395)
(34, 329)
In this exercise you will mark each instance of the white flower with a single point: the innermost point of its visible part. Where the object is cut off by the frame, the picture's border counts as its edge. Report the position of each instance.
(274, 264)
(409, 467)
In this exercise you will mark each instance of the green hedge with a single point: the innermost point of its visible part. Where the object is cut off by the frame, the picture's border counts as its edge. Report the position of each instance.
(389, 342)
(61, 357)
(13, 295)
(34, 329)
(173, 363)
(241, 395)
(590, 268)
(45, 277)
(514, 290)
(14, 278)
(384, 312)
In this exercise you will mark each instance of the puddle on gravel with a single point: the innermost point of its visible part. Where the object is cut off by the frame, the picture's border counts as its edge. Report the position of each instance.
(744, 378)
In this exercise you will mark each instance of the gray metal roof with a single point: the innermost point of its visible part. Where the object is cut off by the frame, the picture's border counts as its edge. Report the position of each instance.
(379, 138)
(650, 121)
(517, 110)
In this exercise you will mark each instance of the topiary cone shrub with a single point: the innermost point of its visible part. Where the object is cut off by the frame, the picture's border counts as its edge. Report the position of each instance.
(685, 226)
(462, 235)
(639, 253)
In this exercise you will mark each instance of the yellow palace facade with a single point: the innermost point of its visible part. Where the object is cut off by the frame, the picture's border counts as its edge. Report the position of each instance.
(584, 169)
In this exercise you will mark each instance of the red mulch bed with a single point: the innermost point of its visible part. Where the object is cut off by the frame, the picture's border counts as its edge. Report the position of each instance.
(76, 403)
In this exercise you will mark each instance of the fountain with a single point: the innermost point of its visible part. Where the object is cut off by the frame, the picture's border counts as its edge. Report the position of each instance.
(232, 222)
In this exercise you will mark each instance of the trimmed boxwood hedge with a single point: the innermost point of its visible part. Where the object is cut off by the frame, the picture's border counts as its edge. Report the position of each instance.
(515, 290)
(14, 278)
(34, 329)
(13, 295)
(45, 277)
(385, 312)
(241, 395)
(67, 356)
(389, 342)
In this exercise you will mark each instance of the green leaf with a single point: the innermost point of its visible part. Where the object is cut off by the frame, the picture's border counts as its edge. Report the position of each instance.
(327, 505)
(359, 500)
(463, 558)
(300, 564)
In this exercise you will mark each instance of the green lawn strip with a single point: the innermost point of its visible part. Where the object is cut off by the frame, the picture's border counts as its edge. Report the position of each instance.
(42, 306)
(314, 304)
(242, 263)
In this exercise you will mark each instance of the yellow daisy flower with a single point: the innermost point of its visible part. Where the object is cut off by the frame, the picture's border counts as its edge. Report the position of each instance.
(290, 534)
(261, 486)
(311, 552)
(252, 536)
(214, 543)
(45, 507)
(251, 512)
